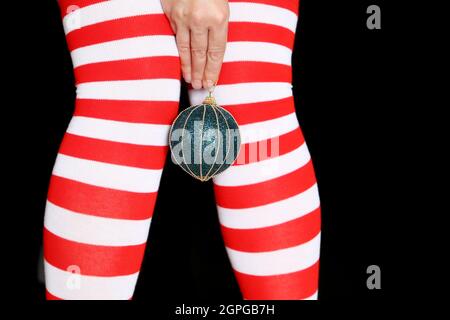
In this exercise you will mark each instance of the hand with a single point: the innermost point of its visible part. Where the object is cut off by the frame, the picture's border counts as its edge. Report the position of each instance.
(201, 29)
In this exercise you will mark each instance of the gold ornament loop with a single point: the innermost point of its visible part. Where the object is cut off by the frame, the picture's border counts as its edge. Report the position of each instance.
(209, 98)
(210, 90)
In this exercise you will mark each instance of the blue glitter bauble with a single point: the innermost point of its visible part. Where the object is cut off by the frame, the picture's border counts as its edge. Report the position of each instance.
(204, 140)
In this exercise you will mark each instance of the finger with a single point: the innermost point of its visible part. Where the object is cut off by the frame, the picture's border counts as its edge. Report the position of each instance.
(217, 40)
(184, 50)
(199, 45)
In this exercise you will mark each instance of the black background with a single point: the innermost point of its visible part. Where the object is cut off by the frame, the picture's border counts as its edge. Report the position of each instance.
(346, 84)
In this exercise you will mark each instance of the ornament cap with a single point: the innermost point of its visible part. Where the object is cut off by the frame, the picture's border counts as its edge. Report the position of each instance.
(210, 100)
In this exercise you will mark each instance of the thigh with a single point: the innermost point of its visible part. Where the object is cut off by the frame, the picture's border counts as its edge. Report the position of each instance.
(268, 201)
(106, 176)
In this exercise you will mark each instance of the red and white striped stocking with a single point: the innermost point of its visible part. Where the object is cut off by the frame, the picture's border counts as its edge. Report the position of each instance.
(107, 172)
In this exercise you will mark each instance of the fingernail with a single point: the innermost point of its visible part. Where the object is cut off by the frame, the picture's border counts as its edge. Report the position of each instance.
(209, 83)
(196, 84)
(187, 79)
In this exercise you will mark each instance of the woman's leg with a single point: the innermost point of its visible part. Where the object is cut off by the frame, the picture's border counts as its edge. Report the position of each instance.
(106, 176)
(268, 205)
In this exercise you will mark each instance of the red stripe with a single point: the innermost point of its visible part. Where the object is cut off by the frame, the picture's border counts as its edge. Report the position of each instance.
(261, 32)
(292, 5)
(155, 112)
(281, 236)
(254, 71)
(49, 296)
(126, 154)
(258, 194)
(246, 113)
(64, 5)
(291, 286)
(93, 260)
(262, 150)
(131, 69)
(127, 27)
(101, 202)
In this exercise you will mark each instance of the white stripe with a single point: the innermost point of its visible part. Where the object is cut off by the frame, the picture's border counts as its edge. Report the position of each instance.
(117, 9)
(247, 92)
(264, 170)
(262, 130)
(143, 90)
(257, 51)
(256, 12)
(85, 228)
(276, 262)
(313, 296)
(71, 286)
(109, 10)
(271, 214)
(127, 132)
(107, 175)
(129, 48)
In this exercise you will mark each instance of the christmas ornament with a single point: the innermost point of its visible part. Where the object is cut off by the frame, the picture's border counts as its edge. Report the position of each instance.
(204, 139)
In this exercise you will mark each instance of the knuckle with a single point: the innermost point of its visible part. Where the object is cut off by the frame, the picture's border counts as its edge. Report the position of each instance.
(183, 48)
(215, 55)
(219, 18)
(197, 18)
(177, 14)
(198, 52)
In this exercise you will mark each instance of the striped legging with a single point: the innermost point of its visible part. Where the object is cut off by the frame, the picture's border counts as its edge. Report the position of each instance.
(107, 172)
